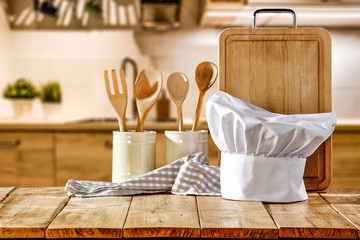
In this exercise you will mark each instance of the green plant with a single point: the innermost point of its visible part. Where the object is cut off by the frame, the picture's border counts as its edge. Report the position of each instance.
(50, 92)
(21, 88)
(94, 7)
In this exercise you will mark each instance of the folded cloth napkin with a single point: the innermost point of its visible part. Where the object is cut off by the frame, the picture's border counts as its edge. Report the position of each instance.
(196, 177)
(263, 154)
(188, 175)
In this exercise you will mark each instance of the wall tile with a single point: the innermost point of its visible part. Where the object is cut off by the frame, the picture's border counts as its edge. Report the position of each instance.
(345, 103)
(345, 58)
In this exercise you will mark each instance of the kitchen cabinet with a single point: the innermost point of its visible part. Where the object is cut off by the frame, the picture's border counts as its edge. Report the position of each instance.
(26, 159)
(83, 156)
(34, 155)
(346, 158)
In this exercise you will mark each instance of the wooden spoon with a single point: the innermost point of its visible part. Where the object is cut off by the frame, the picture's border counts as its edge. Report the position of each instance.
(178, 87)
(146, 91)
(205, 76)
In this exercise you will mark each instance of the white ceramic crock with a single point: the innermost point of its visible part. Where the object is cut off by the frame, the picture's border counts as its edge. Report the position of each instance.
(179, 144)
(22, 108)
(133, 154)
(51, 111)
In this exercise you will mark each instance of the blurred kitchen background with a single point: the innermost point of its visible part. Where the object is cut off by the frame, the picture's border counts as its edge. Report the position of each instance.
(75, 52)
(77, 43)
(77, 56)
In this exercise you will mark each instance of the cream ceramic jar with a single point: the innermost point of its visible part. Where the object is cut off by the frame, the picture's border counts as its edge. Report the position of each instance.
(133, 154)
(179, 144)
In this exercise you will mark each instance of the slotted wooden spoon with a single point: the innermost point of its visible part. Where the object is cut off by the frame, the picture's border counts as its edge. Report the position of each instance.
(147, 90)
(178, 88)
(205, 77)
(118, 100)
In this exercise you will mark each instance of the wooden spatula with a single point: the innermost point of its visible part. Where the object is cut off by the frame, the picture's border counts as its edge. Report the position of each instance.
(118, 100)
(205, 77)
(146, 91)
(178, 87)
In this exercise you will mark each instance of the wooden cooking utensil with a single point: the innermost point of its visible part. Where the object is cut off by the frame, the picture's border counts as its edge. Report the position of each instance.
(178, 87)
(205, 76)
(118, 100)
(147, 90)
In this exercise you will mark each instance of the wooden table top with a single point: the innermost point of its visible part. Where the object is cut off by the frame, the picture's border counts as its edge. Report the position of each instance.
(50, 213)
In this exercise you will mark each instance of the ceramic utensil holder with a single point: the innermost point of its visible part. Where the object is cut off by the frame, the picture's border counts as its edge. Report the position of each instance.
(179, 144)
(22, 108)
(133, 154)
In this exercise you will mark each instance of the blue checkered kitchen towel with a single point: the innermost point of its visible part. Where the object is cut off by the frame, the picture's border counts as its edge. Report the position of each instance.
(188, 175)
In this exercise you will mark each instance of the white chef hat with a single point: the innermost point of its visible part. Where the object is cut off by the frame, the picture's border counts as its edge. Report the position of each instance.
(263, 154)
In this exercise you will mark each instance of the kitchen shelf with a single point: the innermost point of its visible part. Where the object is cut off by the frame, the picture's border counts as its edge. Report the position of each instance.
(320, 14)
(71, 15)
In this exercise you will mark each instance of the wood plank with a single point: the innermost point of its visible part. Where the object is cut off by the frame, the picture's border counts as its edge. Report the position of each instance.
(350, 212)
(313, 218)
(223, 218)
(4, 192)
(26, 212)
(342, 195)
(346, 201)
(162, 215)
(90, 218)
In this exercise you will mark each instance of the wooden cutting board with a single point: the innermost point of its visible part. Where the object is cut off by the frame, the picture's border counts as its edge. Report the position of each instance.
(284, 70)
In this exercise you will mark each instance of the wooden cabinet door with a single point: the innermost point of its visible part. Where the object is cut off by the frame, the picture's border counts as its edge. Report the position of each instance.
(8, 159)
(346, 152)
(83, 156)
(26, 159)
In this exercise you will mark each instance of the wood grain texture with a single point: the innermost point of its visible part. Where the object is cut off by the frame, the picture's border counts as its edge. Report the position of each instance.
(83, 156)
(162, 215)
(147, 90)
(205, 76)
(345, 181)
(346, 201)
(117, 99)
(29, 141)
(350, 212)
(27, 159)
(342, 195)
(177, 86)
(90, 218)
(36, 169)
(284, 70)
(346, 155)
(313, 218)
(26, 212)
(9, 169)
(221, 218)
(4, 192)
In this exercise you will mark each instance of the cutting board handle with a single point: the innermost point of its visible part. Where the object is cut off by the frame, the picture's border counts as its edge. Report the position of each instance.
(274, 10)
